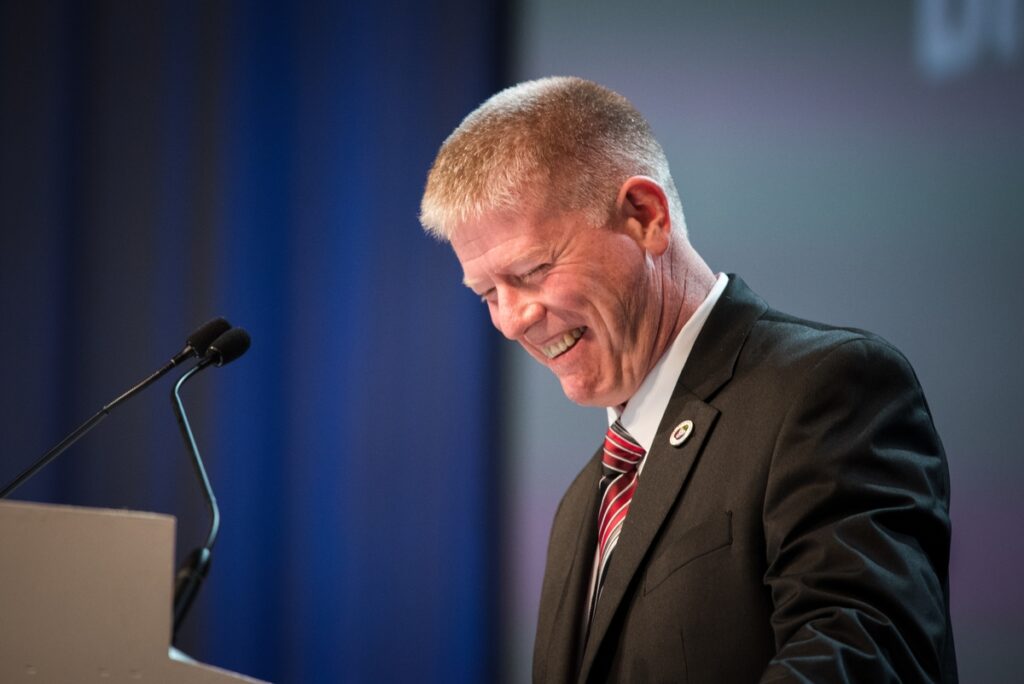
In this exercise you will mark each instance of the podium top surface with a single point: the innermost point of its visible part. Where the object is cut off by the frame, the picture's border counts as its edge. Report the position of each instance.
(33, 508)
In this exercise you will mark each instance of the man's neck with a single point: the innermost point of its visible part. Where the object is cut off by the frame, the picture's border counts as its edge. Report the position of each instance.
(687, 280)
(642, 414)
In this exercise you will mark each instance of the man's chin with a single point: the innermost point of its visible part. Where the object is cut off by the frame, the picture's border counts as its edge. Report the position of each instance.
(581, 394)
(576, 386)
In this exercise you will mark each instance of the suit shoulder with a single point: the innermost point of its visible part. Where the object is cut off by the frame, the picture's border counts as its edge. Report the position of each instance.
(791, 360)
(786, 341)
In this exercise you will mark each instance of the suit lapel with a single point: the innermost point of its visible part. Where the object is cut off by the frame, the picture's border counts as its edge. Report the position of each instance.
(664, 474)
(568, 571)
(718, 346)
(666, 469)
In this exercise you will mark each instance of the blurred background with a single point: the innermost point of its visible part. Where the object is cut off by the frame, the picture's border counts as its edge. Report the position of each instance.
(387, 467)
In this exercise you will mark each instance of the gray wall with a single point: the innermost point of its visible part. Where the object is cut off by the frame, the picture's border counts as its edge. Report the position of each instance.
(860, 164)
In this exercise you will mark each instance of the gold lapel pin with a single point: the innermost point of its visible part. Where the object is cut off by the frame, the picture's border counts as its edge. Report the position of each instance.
(681, 433)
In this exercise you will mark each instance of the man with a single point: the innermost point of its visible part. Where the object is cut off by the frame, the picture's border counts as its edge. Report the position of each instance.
(771, 502)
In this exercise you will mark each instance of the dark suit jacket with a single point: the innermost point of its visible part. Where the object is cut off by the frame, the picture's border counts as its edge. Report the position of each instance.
(801, 533)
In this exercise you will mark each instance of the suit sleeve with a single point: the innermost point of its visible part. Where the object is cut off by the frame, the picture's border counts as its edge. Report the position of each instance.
(856, 521)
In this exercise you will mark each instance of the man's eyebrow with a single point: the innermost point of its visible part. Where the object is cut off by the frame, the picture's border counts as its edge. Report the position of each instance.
(470, 284)
(524, 262)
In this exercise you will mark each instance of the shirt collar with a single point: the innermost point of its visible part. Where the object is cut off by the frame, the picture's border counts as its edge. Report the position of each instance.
(644, 410)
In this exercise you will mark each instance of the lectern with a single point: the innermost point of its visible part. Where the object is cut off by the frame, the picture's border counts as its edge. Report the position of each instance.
(85, 596)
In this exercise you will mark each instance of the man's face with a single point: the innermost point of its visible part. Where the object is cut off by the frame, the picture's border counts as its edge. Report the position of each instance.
(582, 300)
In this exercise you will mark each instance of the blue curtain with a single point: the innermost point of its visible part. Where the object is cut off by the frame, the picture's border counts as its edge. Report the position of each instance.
(164, 163)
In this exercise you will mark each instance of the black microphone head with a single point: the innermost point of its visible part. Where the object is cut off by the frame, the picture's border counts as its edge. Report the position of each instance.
(199, 341)
(229, 346)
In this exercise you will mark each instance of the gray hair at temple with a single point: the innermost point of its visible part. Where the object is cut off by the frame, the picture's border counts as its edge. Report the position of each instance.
(560, 143)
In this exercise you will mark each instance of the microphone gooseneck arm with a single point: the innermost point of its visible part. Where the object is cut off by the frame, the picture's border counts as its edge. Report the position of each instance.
(196, 345)
(83, 429)
(193, 449)
(192, 574)
(225, 349)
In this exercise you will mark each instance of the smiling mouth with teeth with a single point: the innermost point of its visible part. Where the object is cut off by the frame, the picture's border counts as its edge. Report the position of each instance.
(567, 342)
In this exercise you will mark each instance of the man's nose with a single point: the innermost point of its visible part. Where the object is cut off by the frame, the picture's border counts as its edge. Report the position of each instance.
(515, 313)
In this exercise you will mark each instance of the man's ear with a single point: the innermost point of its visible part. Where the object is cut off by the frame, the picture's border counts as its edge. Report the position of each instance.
(644, 214)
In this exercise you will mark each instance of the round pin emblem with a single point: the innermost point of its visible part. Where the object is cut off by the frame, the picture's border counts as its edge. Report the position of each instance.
(681, 433)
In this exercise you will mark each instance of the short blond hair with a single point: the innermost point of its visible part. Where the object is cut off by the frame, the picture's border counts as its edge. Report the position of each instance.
(561, 142)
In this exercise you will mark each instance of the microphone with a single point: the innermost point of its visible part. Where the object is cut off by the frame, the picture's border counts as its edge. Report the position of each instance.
(197, 344)
(225, 349)
(200, 340)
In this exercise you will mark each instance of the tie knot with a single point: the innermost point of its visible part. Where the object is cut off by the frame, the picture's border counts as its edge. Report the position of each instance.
(622, 453)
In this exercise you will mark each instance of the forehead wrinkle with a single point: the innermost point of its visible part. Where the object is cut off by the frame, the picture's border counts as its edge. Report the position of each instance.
(507, 264)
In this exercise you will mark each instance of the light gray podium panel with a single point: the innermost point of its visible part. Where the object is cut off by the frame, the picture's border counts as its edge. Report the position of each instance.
(85, 596)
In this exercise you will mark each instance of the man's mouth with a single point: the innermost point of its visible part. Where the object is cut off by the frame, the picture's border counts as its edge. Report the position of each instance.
(564, 344)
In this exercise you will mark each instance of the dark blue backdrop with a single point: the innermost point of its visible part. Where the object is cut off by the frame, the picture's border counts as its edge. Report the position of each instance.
(161, 164)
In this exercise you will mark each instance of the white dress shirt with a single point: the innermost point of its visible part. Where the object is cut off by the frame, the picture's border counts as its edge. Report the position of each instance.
(643, 412)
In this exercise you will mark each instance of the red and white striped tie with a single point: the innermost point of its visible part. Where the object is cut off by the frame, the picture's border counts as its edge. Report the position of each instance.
(621, 457)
